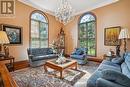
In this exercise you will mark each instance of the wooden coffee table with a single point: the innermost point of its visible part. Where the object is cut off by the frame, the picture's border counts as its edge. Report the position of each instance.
(60, 67)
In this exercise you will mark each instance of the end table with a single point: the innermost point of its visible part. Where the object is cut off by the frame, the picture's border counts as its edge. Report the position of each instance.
(9, 65)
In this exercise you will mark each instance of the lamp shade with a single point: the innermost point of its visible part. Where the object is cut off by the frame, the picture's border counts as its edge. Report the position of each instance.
(124, 33)
(3, 38)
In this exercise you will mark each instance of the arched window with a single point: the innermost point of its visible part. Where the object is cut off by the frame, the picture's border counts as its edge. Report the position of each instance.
(39, 30)
(87, 33)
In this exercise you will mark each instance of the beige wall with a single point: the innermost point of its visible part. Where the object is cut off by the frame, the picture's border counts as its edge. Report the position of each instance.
(22, 19)
(117, 14)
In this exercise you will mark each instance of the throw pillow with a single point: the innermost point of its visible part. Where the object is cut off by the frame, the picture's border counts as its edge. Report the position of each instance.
(82, 52)
(50, 51)
(118, 60)
(78, 52)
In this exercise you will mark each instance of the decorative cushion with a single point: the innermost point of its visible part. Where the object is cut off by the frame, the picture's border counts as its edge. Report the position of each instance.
(50, 51)
(118, 60)
(116, 77)
(79, 52)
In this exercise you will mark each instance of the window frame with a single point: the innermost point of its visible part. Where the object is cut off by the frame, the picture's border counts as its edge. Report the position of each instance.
(30, 19)
(78, 41)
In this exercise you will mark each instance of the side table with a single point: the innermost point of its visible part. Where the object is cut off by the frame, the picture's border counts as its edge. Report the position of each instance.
(9, 65)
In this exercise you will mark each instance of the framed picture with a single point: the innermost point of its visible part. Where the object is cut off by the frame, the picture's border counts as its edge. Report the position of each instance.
(111, 36)
(14, 33)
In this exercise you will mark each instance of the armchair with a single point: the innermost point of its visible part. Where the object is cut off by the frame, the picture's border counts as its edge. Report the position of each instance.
(80, 55)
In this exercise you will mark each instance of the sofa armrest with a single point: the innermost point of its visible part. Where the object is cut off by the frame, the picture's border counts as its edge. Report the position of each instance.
(30, 56)
(106, 83)
(116, 77)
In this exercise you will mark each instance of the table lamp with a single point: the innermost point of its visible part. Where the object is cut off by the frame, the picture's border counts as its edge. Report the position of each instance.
(124, 34)
(3, 40)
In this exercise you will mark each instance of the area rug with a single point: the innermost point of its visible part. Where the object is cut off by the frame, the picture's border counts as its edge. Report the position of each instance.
(70, 75)
(36, 77)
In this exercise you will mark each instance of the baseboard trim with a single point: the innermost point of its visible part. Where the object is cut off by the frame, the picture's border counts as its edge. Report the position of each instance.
(21, 64)
(95, 59)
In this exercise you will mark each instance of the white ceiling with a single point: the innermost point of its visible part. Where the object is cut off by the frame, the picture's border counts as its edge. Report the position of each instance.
(80, 6)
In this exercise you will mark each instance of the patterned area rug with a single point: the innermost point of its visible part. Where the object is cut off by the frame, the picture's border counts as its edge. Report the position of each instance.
(36, 77)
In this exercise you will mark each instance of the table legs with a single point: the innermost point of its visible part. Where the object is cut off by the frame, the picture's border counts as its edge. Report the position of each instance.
(61, 75)
(75, 65)
(45, 68)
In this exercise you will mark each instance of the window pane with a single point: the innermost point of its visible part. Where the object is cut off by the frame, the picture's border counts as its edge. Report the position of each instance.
(87, 34)
(82, 31)
(39, 17)
(87, 18)
(34, 29)
(43, 30)
(91, 46)
(39, 31)
(34, 43)
(91, 29)
(83, 43)
(44, 43)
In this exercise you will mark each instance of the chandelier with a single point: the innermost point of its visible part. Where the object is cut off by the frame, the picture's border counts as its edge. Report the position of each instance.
(64, 12)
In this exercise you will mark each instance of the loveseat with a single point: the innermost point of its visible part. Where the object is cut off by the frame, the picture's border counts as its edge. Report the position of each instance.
(114, 73)
(37, 56)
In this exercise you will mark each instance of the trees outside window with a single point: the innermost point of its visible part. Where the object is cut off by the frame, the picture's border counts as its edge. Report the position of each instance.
(39, 30)
(87, 33)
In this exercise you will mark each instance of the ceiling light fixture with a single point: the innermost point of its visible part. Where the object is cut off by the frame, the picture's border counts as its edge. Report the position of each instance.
(64, 12)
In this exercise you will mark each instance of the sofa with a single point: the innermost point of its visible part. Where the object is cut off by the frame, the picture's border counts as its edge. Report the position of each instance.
(80, 55)
(112, 73)
(38, 56)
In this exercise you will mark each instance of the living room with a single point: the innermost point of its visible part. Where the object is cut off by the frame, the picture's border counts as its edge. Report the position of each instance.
(107, 14)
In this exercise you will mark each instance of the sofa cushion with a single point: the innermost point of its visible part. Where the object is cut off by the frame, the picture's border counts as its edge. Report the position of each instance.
(109, 65)
(91, 82)
(104, 66)
(125, 70)
(127, 60)
(52, 56)
(116, 77)
(100, 83)
(80, 57)
(37, 58)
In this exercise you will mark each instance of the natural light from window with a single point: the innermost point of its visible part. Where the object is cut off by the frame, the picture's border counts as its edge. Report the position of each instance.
(39, 31)
(87, 33)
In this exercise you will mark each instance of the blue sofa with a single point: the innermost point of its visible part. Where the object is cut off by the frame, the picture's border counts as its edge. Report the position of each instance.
(80, 55)
(114, 73)
(37, 56)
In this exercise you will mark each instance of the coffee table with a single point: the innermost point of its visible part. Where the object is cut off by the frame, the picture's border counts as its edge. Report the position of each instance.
(60, 67)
